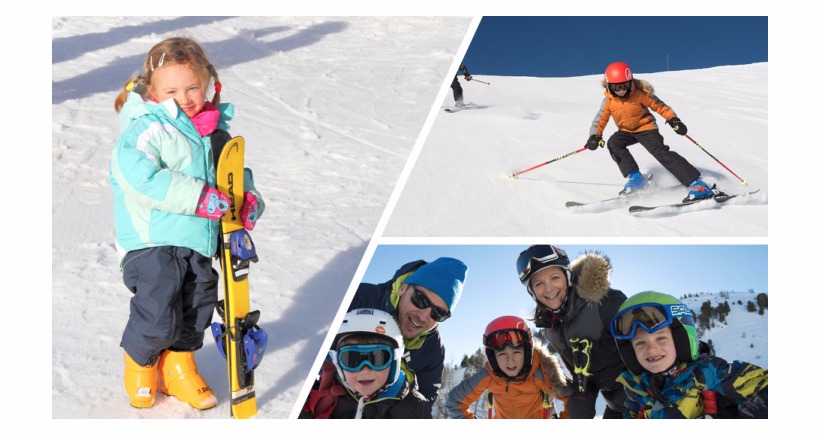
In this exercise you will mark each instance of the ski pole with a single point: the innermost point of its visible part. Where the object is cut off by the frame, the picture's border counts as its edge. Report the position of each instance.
(479, 81)
(716, 160)
(549, 162)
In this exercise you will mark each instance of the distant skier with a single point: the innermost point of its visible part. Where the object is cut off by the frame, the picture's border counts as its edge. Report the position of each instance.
(671, 374)
(458, 93)
(628, 100)
(524, 378)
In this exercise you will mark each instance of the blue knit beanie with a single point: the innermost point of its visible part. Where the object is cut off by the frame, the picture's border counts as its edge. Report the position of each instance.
(445, 276)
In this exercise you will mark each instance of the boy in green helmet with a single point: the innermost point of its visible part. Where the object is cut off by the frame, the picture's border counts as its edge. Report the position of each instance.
(672, 374)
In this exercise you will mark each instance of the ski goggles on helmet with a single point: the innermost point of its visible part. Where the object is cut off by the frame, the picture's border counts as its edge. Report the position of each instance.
(422, 302)
(498, 340)
(539, 253)
(650, 316)
(354, 357)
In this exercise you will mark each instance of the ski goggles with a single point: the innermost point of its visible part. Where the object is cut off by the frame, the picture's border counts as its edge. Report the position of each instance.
(650, 316)
(377, 357)
(498, 340)
(539, 253)
(620, 86)
(422, 302)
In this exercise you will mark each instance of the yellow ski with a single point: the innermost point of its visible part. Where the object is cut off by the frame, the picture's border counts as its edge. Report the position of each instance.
(236, 251)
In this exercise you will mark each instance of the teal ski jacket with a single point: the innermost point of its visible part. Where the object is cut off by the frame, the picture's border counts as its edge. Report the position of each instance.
(158, 169)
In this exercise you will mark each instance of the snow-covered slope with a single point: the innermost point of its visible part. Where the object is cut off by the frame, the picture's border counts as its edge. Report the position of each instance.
(516, 123)
(330, 108)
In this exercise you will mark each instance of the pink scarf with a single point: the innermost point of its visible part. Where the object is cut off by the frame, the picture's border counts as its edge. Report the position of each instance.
(207, 119)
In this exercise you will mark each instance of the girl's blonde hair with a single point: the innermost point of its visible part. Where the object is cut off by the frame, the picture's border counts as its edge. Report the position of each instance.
(172, 51)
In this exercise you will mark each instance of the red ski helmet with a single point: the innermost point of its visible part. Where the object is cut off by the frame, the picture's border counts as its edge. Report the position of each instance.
(618, 72)
(508, 331)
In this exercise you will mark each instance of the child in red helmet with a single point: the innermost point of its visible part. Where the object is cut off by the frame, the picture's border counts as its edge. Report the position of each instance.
(628, 100)
(524, 379)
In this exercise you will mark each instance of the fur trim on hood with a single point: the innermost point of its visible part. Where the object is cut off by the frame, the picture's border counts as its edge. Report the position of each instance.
(592, 270)
(551, 367)
(643, 85)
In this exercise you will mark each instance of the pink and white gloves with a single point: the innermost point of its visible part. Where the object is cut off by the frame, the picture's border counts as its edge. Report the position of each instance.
(214, 205)
(251, 209)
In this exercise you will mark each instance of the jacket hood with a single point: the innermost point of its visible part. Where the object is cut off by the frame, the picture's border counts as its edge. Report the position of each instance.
(551, 367)
(592, 271)
(643, 85)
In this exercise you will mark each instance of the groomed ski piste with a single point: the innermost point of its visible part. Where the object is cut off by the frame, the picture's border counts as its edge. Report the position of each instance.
(463, 169)
(326, 147)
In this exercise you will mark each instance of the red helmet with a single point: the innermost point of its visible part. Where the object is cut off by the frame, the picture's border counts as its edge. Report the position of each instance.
(508, 331)
(618, 72)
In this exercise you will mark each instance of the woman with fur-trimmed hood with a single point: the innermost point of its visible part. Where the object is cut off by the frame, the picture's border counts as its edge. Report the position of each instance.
(574, 305)
(628, 101)
(523, 378)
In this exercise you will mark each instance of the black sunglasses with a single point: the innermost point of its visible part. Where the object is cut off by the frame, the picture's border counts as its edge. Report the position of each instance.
(422, 302)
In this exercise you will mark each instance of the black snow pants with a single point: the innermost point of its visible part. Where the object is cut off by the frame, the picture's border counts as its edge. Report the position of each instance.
(652, 141)
(458, 93)
(175, 291)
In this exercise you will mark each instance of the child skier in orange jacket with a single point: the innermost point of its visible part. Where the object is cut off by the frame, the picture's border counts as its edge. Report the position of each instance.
(628, 101)
(523, 379)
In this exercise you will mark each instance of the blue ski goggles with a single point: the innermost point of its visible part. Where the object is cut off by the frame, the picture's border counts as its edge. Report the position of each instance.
(377, 357)
(422, 302)
(539, 253)
(650, 317)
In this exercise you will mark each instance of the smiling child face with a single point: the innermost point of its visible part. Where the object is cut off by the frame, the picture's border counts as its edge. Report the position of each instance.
(655, 351)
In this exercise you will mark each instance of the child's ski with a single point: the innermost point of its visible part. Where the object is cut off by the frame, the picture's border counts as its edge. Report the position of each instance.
(239, 337)
(719, 199)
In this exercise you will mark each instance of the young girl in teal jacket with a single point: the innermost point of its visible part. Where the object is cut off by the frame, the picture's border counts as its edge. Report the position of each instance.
(166, 212)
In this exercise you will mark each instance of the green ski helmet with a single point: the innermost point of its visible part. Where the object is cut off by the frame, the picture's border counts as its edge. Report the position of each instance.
(653, 311)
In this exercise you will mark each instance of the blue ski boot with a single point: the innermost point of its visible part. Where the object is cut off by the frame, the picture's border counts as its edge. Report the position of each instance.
(636, 182)
(699, 190)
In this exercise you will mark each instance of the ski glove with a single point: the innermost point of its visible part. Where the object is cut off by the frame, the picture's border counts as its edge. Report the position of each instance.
(594, 142)
(468, 77)
(321, 402)
(677, 126)
(251, 209)
(212, 203)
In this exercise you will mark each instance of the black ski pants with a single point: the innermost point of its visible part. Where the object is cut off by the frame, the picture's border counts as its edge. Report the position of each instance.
(175, 291)
(458, 93)
(652, 141)
(581, 405)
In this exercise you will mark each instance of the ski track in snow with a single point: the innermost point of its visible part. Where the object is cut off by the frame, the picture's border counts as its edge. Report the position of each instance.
(326, 147)
(525, 121)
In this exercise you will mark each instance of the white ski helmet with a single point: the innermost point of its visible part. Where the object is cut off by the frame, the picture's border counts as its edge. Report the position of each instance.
(372, 322)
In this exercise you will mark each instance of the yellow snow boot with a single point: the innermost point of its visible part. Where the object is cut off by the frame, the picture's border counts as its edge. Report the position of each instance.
(178, 376)
(140, 382)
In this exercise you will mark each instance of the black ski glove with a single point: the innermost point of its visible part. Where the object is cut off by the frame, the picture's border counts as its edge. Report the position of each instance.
(594, 142)
(678, 126)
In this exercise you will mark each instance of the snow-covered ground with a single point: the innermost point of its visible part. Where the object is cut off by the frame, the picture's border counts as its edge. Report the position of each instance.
(516, 123)
(330, 108)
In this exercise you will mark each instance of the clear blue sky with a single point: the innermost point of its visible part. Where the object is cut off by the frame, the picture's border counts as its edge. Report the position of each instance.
(580, 46)
(492, 288)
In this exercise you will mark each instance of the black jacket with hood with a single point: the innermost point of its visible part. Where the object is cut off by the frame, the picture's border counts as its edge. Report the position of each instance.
(579, 330)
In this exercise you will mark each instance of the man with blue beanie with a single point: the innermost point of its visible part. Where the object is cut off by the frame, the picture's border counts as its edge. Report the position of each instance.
(419, 296)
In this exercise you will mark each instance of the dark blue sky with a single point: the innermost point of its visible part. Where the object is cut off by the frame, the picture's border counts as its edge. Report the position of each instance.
(578, 46)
